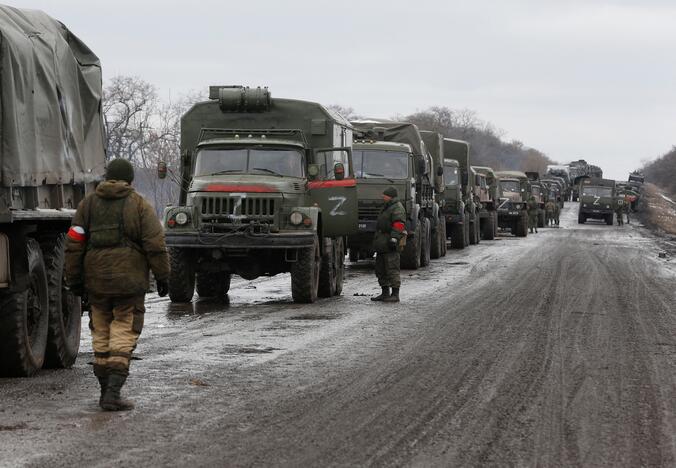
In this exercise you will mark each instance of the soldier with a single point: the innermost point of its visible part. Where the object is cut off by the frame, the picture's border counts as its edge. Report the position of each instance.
(627, 206)
(113, 242)
(557, 210)
(549, 212)
(619, 209)
(388, 243)
(533, 214)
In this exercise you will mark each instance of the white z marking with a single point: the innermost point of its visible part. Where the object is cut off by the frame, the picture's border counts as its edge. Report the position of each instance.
(340, 202)
(596, 200)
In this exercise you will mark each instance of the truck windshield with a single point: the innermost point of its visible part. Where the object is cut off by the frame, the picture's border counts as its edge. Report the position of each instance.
(275, 161)
(597, 192)
(451, 176)
(510, 186)
(371, 164)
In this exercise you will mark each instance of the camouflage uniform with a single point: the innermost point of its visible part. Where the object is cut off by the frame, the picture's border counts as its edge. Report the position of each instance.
(619, 210)
(557, 211)
(390, 230)
(550, 207)
(115, 239)
(533, 208)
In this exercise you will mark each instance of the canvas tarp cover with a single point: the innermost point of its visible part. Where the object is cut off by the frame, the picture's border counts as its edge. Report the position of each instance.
(51, 128)
(396, 132)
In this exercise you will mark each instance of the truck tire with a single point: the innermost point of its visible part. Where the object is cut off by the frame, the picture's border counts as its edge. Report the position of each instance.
(305, 274)
(458, 236)
(209, 284)
(488, 230)
(354, 255)
(410, 257)
(435, 246)
(24, 322)
(495, 224)
(609, 220)
(522, 225)
(581, 219)
(65, 310)
(182, 276)
(340, 267)
(425, 245)
(328, 271)
(444, 247)
(474, 233)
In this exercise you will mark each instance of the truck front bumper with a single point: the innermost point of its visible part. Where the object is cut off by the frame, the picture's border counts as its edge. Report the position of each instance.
(284, 240)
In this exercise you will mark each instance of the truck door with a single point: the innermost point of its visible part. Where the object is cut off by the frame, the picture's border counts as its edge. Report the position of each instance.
(334, 190)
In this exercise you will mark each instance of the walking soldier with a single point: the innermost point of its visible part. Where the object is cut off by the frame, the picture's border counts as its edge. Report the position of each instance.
(533, 208)
(388, 243)
(114, 240)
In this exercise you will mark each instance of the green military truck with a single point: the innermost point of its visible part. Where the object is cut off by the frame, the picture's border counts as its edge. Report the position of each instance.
(394, 154)
(486, 196)
(435, 145)
(51, 155)
(597, 200)
(268, 187)
(512, 210)
(460, 209)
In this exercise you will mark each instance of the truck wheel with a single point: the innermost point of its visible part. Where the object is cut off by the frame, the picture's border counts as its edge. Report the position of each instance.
(410, 257)
(522, 225)
(65, 311)
(458, 239)
(468, 231)
(426, 243)
(581, 219)
(305, 274)
(24, 322)
(327, 273)
(495, 223)
(609, 220)
(182, 276)
(474, 236)
(435, 246)
(444, 248)
(489, 227)
(209, 284)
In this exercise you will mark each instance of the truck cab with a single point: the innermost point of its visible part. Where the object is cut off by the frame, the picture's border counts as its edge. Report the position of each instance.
(515, 190)
(267, 187)
(597, 200)
(486, 194)
(463, 227)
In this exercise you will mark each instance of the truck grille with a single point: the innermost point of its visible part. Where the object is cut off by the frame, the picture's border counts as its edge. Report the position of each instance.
(236, 207)
(368, 212)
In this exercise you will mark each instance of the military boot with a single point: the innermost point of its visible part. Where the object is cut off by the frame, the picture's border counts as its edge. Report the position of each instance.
(394, 297)
(101, 373)
(383, 295)
(112, 401)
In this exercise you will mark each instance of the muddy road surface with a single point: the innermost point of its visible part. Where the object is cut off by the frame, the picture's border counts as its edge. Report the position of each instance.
(554, 350)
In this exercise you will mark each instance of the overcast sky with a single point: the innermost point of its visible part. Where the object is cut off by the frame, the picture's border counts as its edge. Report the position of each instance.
(590, 79)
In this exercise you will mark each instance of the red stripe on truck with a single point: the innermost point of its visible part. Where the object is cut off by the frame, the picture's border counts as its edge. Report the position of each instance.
(320, 184)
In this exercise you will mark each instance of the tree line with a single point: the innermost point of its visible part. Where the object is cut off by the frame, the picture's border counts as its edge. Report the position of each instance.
(145, 129)
(662, 171)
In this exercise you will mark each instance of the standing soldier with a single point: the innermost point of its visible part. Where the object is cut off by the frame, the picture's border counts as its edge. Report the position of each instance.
(619, 209)
(387, 242)
(533, 208)
(627, 206)
(113, 242)
(549, 212)
(557, 210)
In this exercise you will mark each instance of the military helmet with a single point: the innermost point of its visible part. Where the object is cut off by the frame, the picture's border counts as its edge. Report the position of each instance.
(391, 192)
(120, 169)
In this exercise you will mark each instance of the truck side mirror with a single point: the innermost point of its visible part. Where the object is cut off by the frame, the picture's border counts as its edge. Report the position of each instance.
(162, 170)
(339, 171)
(440, 171)
(313, 171)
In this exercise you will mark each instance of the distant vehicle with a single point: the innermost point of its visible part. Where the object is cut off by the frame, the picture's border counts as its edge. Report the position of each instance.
(515, 190)
(268, 187)
(539, 192)
(463, 226)
(487, 197)
(597, 200)
(52, 155)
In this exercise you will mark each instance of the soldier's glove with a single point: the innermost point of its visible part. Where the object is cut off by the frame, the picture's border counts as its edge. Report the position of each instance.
(162, 288)
(393, 244)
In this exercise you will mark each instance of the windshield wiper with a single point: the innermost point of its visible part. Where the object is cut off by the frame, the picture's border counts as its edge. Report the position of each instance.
(373, 174)
(264, 169)
(226, 171)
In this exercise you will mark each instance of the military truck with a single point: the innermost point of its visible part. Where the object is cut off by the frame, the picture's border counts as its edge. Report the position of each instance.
(435, 145)
(597, 200)
(51, 156)
(462, 226)
(268, 188)
(486, 196)
(539, 192)
(389, 151)
(562, 172)
(512, 210)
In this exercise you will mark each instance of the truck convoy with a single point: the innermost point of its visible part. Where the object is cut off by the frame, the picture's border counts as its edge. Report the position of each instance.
(51, 154)
(597, 200)
(514, 193)
(268, 187)
(394, 154)
(486, 196)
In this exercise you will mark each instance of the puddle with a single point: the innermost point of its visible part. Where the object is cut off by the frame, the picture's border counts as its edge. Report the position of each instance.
(314, 317)
(251, 349)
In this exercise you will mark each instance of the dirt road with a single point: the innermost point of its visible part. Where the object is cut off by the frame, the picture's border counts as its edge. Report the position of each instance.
(557, 349)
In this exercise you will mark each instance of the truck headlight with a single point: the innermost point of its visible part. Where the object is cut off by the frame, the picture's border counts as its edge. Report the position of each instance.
(607, 206)
(584, 205)
(296, 218)
(181, 218)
